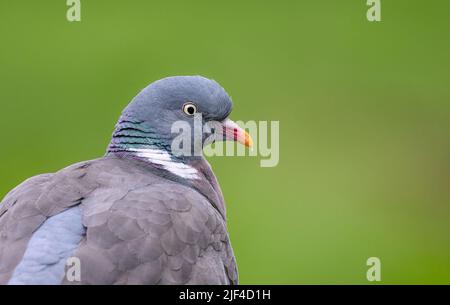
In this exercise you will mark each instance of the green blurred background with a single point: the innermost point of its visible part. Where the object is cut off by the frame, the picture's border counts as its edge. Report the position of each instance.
(364, 111)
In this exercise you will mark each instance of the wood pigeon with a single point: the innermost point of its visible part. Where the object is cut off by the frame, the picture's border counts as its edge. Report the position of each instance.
(138, 215)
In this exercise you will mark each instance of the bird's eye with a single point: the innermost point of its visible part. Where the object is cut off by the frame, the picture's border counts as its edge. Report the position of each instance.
(189, 108)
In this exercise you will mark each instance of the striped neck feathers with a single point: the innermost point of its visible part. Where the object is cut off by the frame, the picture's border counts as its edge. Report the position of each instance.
(138, 140)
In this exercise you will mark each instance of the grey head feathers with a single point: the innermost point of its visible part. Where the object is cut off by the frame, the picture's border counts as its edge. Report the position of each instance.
(146, 122)
(144, 129)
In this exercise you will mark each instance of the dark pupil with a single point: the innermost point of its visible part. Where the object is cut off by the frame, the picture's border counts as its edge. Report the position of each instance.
(190, 110)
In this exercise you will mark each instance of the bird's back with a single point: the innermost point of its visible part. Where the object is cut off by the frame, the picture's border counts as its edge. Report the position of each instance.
(124, 222)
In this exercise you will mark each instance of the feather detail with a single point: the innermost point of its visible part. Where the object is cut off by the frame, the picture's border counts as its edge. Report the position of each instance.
(164, 159)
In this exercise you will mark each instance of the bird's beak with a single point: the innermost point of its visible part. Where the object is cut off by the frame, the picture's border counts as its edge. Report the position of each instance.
(233, 132)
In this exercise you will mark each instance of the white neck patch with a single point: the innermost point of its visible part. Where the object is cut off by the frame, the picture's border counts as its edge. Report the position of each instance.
(163, 158)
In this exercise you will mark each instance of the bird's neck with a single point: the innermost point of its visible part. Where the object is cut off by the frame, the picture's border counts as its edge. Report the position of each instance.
(136, 140)
(133, 134)
(133, 140)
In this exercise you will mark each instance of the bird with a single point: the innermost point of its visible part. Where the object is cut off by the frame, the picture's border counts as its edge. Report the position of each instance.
(141, 213)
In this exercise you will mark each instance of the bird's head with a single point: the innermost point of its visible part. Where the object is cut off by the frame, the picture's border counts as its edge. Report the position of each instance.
(147, 123)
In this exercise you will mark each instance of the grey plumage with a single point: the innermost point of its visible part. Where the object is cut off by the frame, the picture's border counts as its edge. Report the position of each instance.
(140, 223)
(140, 227)
(48, 249)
